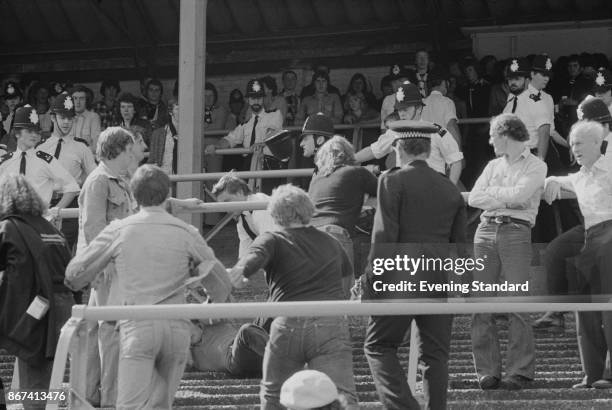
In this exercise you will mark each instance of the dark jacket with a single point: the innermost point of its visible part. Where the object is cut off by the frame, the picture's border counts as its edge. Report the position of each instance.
(157, 146)
(419, 213)
(33, 256)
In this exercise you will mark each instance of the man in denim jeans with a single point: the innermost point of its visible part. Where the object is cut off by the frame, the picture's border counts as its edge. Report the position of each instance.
(301, 263)
(152, 252)
(508, 191)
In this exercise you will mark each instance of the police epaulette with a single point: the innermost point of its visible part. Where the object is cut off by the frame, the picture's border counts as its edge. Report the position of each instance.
(392, 170)
(441, 131)
(81, 140)
(274, 110)
(6, 157)
(44, 156)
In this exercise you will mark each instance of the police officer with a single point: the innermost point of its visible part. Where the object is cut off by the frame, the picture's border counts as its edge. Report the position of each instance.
(13, 98)
(71, 152)
(419, 212)
(317, 129)
(603, 87)
(42, 170)
(253, 133)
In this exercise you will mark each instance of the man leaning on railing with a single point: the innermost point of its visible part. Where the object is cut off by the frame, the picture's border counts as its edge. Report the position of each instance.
(153, 252)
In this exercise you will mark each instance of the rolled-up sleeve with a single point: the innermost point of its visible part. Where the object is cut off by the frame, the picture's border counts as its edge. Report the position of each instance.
(449, 148)
(62, 177)
(383, 145)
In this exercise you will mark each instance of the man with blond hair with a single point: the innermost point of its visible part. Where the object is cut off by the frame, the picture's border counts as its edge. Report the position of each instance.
(301, 263)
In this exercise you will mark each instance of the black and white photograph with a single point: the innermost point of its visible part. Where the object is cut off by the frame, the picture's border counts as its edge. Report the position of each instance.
(306, 204)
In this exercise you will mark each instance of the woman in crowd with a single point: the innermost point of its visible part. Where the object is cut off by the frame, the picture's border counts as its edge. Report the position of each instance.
(359, 86)
(33, 258)
(337, 190)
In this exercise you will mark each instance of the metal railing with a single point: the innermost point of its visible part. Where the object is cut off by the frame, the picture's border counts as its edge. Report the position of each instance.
(73, 335)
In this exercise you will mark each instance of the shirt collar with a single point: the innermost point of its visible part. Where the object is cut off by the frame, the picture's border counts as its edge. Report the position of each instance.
(436, 92)
(105, 170)
(532, 90)
(18, 151)
(602, 164)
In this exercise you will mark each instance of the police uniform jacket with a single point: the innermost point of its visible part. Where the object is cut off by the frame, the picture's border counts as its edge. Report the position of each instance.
(75, 156)
(43, 171)
(419, 212)
(266, 121)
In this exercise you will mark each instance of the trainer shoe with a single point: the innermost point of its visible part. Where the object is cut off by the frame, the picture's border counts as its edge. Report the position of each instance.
(488, 382)
(603, 384)
(582, 385)
(550, 320)
(515, 382)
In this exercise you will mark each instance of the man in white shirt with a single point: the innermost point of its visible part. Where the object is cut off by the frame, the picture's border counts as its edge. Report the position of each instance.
(86, 123)
(444, 149)
(591, 186)
(508, 191)
(42, 170)
(438, 108)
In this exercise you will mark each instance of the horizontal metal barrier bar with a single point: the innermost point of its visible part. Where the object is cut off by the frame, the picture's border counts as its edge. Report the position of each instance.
(342, 127)
(210, 207)
(321, 308)
(214, 176)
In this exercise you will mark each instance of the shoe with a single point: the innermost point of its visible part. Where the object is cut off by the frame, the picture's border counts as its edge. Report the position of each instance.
(515, 382)
(488, 382)
(550, 320)
(603, 384)
(582, 385)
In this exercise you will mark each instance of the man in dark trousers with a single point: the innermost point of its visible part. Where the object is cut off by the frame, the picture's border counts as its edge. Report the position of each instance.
(420, 212)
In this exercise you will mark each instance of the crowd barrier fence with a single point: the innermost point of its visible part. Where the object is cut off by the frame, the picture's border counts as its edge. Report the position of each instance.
(73, 335)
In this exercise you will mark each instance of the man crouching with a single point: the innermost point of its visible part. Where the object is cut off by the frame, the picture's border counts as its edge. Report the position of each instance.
(301, 263)
(152, 252)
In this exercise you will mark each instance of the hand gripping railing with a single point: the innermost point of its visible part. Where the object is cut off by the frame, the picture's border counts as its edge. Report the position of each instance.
(73, 335)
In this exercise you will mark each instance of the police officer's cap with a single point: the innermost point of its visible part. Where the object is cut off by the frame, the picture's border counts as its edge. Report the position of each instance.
(281, 145)
(519, 67)
(254, 89)
(63, 105)
(603, 80)
(318, 124)
(594, 109)
(397, 71)
(11, 90)
(542, 64)
(26, 117)
(408, 95)
(409, 129)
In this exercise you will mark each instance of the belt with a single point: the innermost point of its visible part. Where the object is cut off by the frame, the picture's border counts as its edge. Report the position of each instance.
(506, 220)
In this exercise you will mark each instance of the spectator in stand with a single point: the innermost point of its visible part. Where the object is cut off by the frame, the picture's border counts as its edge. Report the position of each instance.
(301, 263)
(322, 100)
(499, 94)
(360, 87)
(419, 75)
(13, 98)
(438, 108)
(150, 106)
(359, 111)
(35, 256)
(477, 91)
(215, 116)
(164, 142)
(237, 108)
(273, 101)
(289, 93)
(311, 88)
(311, 390)
(386, 88)
(86, 123)
(108, 107)
(451, 93)
(127, 109)
(488, 65)
(155, 242)
(39, 98)
(337, 190)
